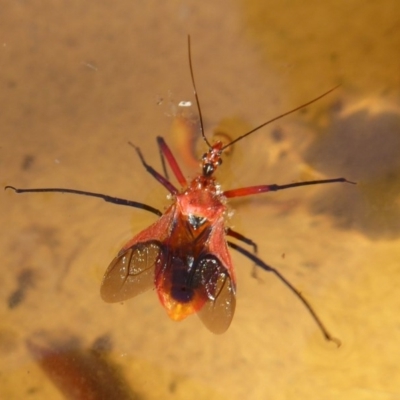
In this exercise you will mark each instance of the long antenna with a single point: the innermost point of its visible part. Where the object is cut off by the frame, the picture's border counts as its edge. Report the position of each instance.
(279, 117)
(196, 96)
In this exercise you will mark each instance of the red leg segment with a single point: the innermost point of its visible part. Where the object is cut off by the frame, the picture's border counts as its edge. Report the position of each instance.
(242, 238)
(164, 181)
(247, 191)
(249, 242)
(166, 151)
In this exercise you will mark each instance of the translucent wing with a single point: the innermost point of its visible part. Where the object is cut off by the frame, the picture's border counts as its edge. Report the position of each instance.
(131, 272)
(219, 308)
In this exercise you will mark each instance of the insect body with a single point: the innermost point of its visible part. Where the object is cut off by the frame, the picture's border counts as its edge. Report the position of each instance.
(184, 254)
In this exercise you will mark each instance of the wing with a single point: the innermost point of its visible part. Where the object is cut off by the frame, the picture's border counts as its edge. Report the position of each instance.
(219, 308)
(217, 312)
(196, 276)
(132, 270)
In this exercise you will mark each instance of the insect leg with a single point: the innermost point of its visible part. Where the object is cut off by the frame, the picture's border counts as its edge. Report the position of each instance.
(166, 152)
(164, 167)
(242, 238)
(164, 181)
(267, 268)
(248, 241)
(109, 199)
(274, 188)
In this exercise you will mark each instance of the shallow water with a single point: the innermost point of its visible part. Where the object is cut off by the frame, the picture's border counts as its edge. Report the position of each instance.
(79, 81)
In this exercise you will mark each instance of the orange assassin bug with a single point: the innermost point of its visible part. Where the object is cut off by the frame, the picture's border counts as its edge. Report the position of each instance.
(184, 254)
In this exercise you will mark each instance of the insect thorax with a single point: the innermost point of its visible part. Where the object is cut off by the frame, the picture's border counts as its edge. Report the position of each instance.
(202, 201)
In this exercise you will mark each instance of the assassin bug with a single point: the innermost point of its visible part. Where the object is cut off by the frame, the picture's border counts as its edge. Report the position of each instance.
(184, 254)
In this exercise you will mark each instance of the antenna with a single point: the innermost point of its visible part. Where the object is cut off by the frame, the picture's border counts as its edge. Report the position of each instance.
(196, 96)
(280, 116)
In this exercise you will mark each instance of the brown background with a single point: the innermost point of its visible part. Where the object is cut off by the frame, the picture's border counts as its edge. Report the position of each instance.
(79, 79)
